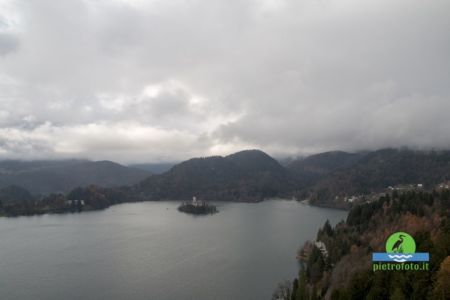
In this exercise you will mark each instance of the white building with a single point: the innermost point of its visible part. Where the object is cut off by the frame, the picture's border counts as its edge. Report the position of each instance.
(321, 246)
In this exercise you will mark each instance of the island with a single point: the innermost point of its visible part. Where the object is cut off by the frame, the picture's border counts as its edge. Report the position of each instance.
(197, 207)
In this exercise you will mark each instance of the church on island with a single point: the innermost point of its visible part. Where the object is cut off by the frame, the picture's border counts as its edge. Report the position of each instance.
(197, 207)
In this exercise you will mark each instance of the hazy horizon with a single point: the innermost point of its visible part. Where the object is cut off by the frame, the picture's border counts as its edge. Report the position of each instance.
(281, 159)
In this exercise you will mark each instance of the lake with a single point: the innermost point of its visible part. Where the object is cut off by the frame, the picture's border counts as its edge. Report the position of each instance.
(149, 250)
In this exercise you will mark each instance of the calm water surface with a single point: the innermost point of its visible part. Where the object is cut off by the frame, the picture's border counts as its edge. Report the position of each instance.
(151, 251)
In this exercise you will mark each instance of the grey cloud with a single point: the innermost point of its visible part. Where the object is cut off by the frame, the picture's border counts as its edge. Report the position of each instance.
(209, 77)
(8, 44)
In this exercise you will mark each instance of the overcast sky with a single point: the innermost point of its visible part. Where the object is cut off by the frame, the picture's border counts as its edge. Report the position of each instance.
(164, 80)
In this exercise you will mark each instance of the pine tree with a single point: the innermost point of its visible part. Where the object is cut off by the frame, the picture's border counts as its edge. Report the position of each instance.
(302, 293)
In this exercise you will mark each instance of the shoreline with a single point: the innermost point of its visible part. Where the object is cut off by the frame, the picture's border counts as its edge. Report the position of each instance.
(303, 202)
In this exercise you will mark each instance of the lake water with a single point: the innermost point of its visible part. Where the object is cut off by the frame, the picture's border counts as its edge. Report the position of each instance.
(150, 250)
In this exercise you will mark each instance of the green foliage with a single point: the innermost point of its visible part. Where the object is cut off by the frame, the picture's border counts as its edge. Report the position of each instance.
(302, 290)
(315, 266)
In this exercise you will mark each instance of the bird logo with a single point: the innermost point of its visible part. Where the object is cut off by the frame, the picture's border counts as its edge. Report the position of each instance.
(397, 248)
(400, 246)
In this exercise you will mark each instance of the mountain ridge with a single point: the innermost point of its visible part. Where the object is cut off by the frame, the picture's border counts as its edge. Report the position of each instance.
(326, 179)
(249, 175)
(377, 170)
(46, 176)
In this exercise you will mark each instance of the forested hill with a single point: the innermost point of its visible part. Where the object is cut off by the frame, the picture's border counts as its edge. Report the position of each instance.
(307, 171)
(326, 178)
(44, 177)
(373, 172)
(249, 175)
(344, 272)
(16, 201)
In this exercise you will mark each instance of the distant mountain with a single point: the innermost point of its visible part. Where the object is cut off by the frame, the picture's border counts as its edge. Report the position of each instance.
(309, 170)
(43, 177)
(324, 163)
(154, 168)
(249, 175)
(14, 194)
(15, 201)
(323, 178)
(377, 170)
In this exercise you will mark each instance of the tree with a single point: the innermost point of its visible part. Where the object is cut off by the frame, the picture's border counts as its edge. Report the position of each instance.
(315, 265)
(328, 229)
(442, 285)
(359, 285)
(398, 294)
(294, 289)
(283, 291)
(302, 291)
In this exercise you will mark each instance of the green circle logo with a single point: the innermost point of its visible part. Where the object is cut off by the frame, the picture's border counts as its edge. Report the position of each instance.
(400, 242)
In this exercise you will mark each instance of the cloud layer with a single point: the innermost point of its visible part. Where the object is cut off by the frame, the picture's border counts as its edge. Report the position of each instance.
(137, 81)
